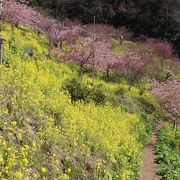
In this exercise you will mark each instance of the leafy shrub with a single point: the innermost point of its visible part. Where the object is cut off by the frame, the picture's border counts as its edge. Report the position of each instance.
(77, 90)
(162, 76)
(115, 77)
(118, 97)
(98, 96)
(80, 92)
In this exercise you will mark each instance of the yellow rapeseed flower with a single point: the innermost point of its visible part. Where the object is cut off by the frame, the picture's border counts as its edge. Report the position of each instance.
(25, 161)
(1, 160)
(9, 149)
(34, 144)
(19, 175)
(14, 123)
(35, 175)
(69, 170)
(67, 158)
(64, 177)
(43, 169)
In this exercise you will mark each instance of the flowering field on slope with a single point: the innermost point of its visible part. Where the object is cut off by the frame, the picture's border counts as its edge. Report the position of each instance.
(44, 136)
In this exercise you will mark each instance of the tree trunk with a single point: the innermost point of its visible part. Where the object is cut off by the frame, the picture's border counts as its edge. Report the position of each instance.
(162, 63)
(38, 32)
(81, 67)
(107, 72)
(61, 44)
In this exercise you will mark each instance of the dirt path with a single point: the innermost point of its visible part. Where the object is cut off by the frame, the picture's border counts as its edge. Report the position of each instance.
(149, 166)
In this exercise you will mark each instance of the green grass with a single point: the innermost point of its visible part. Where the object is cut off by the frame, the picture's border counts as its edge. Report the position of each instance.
(125, 46)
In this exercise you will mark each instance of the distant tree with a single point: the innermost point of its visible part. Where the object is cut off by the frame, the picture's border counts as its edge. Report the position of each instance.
(152, 18)
(164, 50)
(18, 12)
(105, 58)
(71, 22)
(82, 52)
(135, 66)
(122, 34)
(103, 32)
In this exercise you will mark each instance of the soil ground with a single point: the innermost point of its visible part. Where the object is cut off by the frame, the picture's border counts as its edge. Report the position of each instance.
(149, 169)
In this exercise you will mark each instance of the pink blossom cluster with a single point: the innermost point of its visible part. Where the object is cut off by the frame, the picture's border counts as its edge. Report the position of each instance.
(169, 94)
(82, 52)
(20, 13)
(164, 49)
(102, 32)
(135, 64)
(105, 58)
(72, 22)
(17, 12)
(98, 54)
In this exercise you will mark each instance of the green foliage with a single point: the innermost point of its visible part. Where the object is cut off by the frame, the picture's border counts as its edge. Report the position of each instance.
(77, 90)
(98, 95)
(81, 92)
(115, 77)
(168, 152)
(119, 48)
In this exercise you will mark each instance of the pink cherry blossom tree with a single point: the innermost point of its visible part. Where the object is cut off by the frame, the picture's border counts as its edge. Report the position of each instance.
(105, 58)
(135, 66)
(82, 52)
(20, 13)
(164, 50)
(17, 12)
(102, 32)
(71, 22)
(168, 94)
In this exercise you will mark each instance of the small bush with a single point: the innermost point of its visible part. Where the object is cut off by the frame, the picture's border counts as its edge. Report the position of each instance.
(81, 92)
(115, 77)
(77, 90)
(98, 95)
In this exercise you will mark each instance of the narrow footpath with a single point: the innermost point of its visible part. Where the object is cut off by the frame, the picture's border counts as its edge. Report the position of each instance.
(149, 169)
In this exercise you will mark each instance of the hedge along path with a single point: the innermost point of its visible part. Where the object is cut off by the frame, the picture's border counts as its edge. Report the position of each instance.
(149, 169)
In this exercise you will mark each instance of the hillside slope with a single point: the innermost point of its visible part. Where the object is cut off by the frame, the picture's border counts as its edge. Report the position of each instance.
(45, 136)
